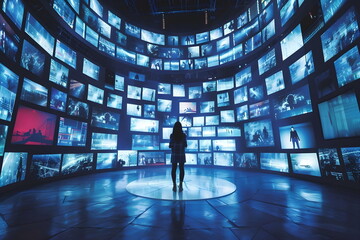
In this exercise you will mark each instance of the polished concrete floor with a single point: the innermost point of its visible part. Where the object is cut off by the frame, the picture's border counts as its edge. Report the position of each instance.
(98, 206)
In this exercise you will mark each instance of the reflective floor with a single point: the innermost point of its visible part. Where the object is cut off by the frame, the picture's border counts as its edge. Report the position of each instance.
(98, 206)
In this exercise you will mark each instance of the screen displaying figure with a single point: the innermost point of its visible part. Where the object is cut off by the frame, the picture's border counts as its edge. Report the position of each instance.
(294, 138)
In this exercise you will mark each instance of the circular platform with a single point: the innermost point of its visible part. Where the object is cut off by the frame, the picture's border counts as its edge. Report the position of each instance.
(195, 188)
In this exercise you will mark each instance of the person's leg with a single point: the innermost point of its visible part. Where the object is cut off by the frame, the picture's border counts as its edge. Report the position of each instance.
(182, 174)
(297, 144)
(173, 175)
(293, 142)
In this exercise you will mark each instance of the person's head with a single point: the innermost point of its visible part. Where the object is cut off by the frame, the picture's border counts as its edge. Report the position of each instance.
(177, 128)
(292, 128)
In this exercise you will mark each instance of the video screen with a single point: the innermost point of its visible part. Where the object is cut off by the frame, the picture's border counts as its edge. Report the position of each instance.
(64, 11)
(32, 59)
(142, 60)
(149, 111)
(187, 107)
(213, 61)
(246, 160)
(302, 68)
(212, 120)
(275, 83)
(267, 62)
(312, 22)
(207, 107)
(10, 41)
(223, 44)
(229, 131)
(77, 89)
(8, 88)
(107, 46)
(172, 40)
(225, 84)
(340, 116)
(45, 166)
(242, 20)
(39, 131)
(103, 141)
(243, 77)
(145, 142)
(80, 27)
(216, 33)
(194, 132)
(114, 20)
(91, 36)
(125, 55)
(268, 32)
(266, 15)
(14, 9)
(305, 163)
(256, 93)
(77, 108)
(351, 156)
(119, 82)
(240, 95)
(127, 158)
(164, 88)
(209, 131)
(223, 159)
(114, 101)
(208, 49)
(75, 4)
(293, 103)
(330, 164)
(95, 94)
(72, 133)
(193, 52)
(242, 113)
(178, 90)
(164, 105)
(245, 32)
(297, 136)
(274, 162)
(348, 67)
(152, 37)
(205, 159)
(340, 35)
(224, 145)
(37, 32)
(202, 37)
(58, 100)
(107, 160)
(195, 92)
(151, 158)
(168, 121)
(287, 11)
(13, 168)
(132, 30)
(166, 132)
(229, 27)
(65, 54)
(209, 86)
(227, 56)
(330, 7)
(253, 43)
(144, 125)
(227, 116)
(134, 92)
(198, 121)
(292, 42)
(191, 158)
(148, 94)
(59, 74)
(133, 110)
(156, 64)
(90, 69)
(96, 7)
(223, 99)
(3, 135)
(205, 145)
(34, 93)
(103, 118)
(192, 145)
(259, 109)
(77, 163)
(259, 134)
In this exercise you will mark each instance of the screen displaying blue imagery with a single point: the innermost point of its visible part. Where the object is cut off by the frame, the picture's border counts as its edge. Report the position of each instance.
(225, 84)
(187, 107)
(96, 7)
(292, 42)
(267, 62)
(246, 160)
(172, 40)
(134, 92)
(10, 41)
(59, 74)
(90, 69)
(77, 108)
(64, 11)
(297, 136)
(287, 11)
(256, 93)
(120, 38)
(351, 156)
(151, 37)
(330, 166)
(223, 44)
(246, 32)
(13, 168)
(114, 20)
(227, 116)
(95, 94)
(259, 109)
(32, 59)
(268, 32)
(91, 36)
(144, 125)
(209, 86)
(187, 40)
(178, 90)
(107, 160)
(302, 68)
(75, 4)
(128, 158)
(104, 141)
(65, 54)
(253, 43)
(205, 159)
(132, 30)
(340, 116)
(274, 162)
(77, 89)
(80, 27)
(198, 121)
(202, 37)
(125, 55)
(133, 110)
(107, 46)
(208, 49)
(114, 101)
(45, 166)
(192, 145)
(37, 32)
(164, 105)
(242, 20)
(58, 100)
(340, 35)
(34, 93)
(119, 82)
(243, 77)
(223, 99)
(76, 163)
(348, 67)
(216, 33)
(72, 133)
(259, 134)
(164, 88)
(228, 131)
(275, 83)
(223, 159)
(148, 94)
(224, 145)
(103, 118)
(15, 11)
(305, 163)
(151, 158)
(195, 92)
(209, 131)
(142, 60)
(293, 103)
(3, 134)
(103, 28)
(8, 88)
(145, 142)
(330, 7)
(242, 113)
(205, 145)
(149, 111)
(207, 107)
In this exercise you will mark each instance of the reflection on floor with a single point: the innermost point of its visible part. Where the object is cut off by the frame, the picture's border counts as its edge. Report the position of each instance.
(98, 206)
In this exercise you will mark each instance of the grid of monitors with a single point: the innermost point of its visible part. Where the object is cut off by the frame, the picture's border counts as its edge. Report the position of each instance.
(265, 115)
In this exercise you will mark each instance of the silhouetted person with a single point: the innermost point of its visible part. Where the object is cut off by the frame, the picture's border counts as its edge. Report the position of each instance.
(294, 138)
(19, 170)
(177, 144)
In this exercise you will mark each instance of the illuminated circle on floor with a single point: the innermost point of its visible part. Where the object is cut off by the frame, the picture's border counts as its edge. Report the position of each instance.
(195, 188)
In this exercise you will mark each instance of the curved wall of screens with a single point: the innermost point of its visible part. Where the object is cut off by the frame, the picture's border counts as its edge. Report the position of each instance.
(288, 103)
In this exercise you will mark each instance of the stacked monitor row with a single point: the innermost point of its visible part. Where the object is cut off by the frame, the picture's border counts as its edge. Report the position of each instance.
(293, 109)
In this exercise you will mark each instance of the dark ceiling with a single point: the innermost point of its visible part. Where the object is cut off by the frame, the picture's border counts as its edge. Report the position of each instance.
(181, 16)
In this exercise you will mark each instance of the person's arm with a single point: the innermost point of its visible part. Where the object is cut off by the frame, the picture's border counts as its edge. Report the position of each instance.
(171, 144)
(185, 142)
